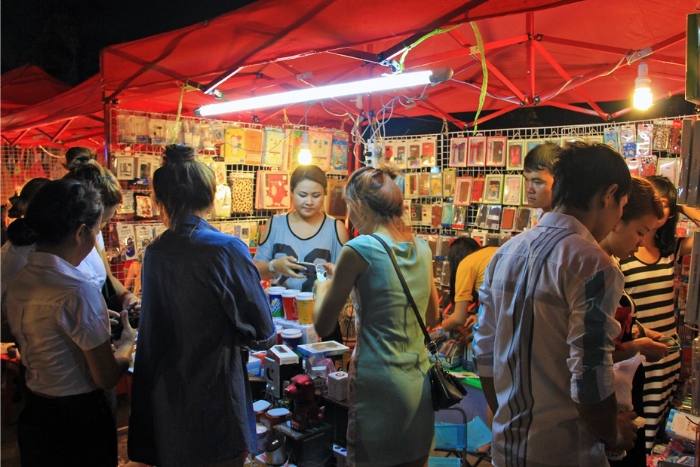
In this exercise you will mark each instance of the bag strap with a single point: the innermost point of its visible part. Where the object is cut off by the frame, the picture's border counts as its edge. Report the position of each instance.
(432, 348)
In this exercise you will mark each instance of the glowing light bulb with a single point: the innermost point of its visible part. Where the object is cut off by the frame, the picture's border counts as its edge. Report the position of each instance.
(642, 88)
(304, 152)
(304, 156)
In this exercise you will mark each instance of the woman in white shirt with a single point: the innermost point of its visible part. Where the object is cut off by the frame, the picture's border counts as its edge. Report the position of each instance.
(61, 324)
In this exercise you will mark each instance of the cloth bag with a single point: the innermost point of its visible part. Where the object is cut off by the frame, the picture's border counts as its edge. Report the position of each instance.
(445, 388)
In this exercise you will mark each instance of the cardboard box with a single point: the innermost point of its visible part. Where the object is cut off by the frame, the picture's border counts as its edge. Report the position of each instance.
(681, 425)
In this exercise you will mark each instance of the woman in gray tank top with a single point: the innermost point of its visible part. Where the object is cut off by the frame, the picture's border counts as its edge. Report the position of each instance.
(305, 234)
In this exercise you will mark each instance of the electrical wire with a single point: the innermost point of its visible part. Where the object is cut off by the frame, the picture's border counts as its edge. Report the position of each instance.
(410, 47)
(484, 70)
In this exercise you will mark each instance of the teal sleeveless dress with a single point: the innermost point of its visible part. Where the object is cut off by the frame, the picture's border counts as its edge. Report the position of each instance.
(390, 418)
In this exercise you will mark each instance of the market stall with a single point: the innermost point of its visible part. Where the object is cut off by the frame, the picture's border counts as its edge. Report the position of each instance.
(566, 54)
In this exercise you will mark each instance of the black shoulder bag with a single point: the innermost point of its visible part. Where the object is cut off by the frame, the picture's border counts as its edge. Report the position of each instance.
(446, 389)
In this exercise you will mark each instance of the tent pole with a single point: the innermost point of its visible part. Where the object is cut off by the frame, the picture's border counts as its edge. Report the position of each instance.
(575, 108)
(530, 53)
(61, 130)
(495, 114)
(540, 48)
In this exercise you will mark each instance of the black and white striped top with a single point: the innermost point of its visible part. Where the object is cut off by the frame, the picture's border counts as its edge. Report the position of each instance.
(651, 286)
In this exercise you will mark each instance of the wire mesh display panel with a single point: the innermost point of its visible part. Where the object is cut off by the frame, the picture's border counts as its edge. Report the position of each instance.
(557, 134)
(21, 164)
(141, 136)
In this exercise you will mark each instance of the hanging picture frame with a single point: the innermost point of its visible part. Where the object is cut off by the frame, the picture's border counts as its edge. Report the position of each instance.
(428, 152)
(480, 219)
(516, 154)
(522, 221)
(459, 217)
(126, 168)
(463, 191)
(144, 207)
(146, 166)
(493, 189)
(479, 236)
(496, 151)
(508, 216)
(493, 217)
(478, 190)
(532, 144)
(400, 154)
(459, 147)
(477, 152)
(512, 189)
(413, 159)
(339, 154)
(449, 178)
(126, 206)
(335, 201)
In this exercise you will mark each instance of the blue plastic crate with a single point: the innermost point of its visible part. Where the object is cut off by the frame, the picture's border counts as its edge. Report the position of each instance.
(443, 462)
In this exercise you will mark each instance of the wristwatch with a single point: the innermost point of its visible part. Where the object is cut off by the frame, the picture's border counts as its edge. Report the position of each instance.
(270, 267)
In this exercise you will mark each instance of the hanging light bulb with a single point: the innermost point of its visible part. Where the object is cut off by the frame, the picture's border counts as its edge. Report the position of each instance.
(304, 152)
(642, 89)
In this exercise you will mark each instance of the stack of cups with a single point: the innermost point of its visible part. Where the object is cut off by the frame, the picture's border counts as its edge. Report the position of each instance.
(289, 304)
(305, 307)
(274, 293)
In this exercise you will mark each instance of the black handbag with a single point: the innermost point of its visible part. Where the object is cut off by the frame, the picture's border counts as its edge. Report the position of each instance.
(446, 389)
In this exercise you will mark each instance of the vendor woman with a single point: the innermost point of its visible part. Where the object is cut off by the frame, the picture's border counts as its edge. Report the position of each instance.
(305, 234)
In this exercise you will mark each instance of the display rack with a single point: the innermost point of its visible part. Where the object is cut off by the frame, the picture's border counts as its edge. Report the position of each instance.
(439, 236)
(207, 151)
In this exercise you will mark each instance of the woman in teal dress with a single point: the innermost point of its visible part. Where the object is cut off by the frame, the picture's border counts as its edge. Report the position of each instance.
(391, 418)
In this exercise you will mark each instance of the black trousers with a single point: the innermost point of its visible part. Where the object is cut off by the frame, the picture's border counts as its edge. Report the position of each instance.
(76, 431)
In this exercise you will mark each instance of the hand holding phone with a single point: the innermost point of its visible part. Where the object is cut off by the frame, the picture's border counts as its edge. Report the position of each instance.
(671, 343)
(310, 270)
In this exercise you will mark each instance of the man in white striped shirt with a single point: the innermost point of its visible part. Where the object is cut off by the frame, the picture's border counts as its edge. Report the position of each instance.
(545, 340)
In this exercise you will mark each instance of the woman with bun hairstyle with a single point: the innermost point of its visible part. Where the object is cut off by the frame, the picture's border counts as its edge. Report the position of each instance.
(14, 257)
(389, 386)
(84, 167)
(305, 234)
(202, 304)
(649, 280)
(61, 325)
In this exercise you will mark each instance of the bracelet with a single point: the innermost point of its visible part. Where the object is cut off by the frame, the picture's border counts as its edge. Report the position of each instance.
(270, 267)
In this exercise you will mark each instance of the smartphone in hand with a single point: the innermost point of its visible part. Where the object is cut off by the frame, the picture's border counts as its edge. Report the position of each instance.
(310, 270)
(671, 343)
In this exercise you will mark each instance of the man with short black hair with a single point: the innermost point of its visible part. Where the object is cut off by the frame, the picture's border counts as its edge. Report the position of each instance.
(537, 173)
(545, 340)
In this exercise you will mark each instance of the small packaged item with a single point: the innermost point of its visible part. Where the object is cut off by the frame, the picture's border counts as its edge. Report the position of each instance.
(338, 385)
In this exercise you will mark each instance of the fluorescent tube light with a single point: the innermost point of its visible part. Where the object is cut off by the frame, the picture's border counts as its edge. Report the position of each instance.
(384, 83)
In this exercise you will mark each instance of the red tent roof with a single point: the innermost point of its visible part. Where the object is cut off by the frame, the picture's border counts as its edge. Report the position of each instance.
(538, 52)
(74, 118)
(248, 52)
(27, 85)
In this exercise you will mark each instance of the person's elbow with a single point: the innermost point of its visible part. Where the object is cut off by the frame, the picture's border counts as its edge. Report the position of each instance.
(106, 379)
(324, 329)
(263, 344)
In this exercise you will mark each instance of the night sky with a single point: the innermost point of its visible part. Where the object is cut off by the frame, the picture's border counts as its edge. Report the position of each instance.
(64, 38)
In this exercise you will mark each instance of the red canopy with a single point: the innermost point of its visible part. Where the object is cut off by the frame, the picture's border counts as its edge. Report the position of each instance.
(578, 52)
(74, 118)
(27, 85)
(538, 52)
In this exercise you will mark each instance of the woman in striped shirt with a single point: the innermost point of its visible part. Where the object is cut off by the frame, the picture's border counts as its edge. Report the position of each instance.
(649, 280)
